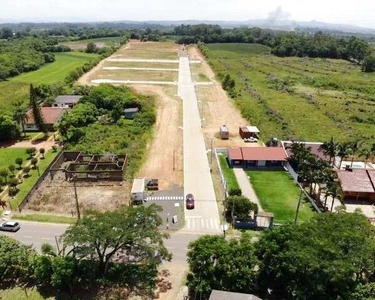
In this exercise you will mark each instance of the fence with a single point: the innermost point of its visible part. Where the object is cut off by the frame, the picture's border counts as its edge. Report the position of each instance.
(222, 179)
(37, 184)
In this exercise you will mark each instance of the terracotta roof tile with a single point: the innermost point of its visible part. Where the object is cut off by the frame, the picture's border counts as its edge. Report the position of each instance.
(50, 115)
(264, 153)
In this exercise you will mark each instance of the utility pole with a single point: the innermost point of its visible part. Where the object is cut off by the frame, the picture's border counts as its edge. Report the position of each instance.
(76, 196)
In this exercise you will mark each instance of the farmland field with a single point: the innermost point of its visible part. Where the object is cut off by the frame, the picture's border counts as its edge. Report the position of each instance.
(278, 193)
(296, 98)
(17, 88)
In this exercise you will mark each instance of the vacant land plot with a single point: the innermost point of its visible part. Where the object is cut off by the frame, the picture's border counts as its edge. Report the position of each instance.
(57, 196)
(17, 88)
(298, 98)
(130, 64)
(278, 193)
(82, 44)
(151, 50)
(137, 75)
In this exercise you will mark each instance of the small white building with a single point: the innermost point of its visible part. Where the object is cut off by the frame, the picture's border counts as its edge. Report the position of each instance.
(138, 192)
(66, 101)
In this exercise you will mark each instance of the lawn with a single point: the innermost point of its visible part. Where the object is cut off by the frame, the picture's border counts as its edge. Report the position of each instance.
(228, 173)
(294, 98)
(18, 293)
(45, 218)
(30, 181)
(17, 88)
(278, 193)
(9, 155)
(58, 70)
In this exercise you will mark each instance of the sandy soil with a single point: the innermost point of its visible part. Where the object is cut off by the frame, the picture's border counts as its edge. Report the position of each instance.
(218, 109)
(165, 151)
(57, 196)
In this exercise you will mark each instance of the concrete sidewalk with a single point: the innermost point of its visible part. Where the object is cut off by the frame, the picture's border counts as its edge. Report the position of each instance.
(246, 187)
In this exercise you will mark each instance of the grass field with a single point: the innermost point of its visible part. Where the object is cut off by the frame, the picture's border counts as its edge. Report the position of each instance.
(17, 88)
(18, 293)
(298, 98)
(9, 155)
(82, 44)
(45, 218)
(228, 173)
(278, 193)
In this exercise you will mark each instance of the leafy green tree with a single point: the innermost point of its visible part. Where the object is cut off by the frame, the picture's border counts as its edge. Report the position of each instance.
(27, 170)
(31, 151)
(19, 162)
(4, 173)
(91, 48)
(2, 183)
(368, 64)
(240, 207)
(216, 263)
(329, 149)
(131, 231)
(8, 127)
(324, 258)
(6, 33)
(13, 182)
(12, 168)
(34, 162)
(364, 292)
(42, 151)
(14, 261)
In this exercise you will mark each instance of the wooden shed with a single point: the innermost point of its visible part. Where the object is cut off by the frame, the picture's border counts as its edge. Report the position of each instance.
(244, 132)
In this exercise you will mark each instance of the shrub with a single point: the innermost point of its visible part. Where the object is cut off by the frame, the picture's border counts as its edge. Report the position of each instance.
(26, 170)
(34, 162)
(235, 192)
(19, 162)
(42, 151)
(31, 151)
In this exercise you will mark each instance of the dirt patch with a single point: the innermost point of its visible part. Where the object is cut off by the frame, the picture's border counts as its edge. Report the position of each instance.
(218, 108)
(164, 160)
(57, 196)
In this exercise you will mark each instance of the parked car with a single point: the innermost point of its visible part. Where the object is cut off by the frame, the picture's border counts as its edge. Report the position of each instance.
(9, 226)
(250, 139)
(190, 201)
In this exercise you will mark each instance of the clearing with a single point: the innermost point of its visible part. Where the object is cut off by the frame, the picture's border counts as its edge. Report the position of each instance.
(217, 107)
(298, 98)
(164, 153)
(16, 89)
(278, 193)
(101, 42)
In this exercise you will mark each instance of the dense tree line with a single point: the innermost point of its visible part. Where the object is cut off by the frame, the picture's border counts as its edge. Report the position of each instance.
(283, 43)
(26, 54)
(332, 256)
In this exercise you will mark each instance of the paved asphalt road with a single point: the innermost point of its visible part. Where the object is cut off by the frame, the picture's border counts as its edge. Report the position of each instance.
(36, 234)
(197, 177)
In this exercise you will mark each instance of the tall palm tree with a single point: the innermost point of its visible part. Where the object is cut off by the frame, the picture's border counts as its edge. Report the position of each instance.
(344, 150)
(329, 149)
(334, 191)
(299, 154)
(20, 115)
(355, 146)
(366, 154)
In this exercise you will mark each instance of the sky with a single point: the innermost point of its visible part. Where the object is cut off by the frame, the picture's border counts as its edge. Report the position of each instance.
(359, 12)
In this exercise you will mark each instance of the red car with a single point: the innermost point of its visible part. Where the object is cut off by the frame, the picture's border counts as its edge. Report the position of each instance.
(189, 201)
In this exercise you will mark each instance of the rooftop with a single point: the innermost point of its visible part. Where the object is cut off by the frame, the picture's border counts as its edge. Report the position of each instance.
(235, 154)
(222, 295)
(51, 115)
(264, 153)
(313, 146)
(253, 129)
(357, 180)
(131, 110)
(67, 99)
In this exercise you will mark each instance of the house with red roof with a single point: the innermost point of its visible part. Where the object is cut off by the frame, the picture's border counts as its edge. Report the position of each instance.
(248, 157)
(51, 116)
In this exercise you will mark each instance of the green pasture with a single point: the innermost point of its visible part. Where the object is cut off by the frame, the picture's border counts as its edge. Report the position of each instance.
(16, 89)
(295, 98)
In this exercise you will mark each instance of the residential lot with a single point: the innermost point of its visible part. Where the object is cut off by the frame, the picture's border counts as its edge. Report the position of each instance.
(278, 193)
